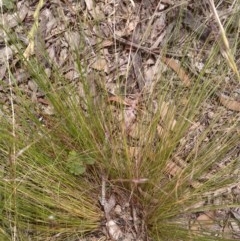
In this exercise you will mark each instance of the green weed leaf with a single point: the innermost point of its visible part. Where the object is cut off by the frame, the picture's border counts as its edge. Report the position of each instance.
(9, 4)
(76, 168)
(76, 162)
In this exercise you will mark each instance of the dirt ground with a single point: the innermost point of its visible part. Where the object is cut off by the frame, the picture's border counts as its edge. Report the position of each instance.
(128, 40)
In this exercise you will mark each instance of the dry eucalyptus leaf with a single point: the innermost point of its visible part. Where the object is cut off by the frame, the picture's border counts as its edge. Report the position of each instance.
(100, 64)
(89, 4)
(235, 226)
(3, 69)
(48, 110)
(131, 26)
(109, 205)
(172, 169)
(24, 10)
(160, 130)
(134, 152)
(48, 22)
(135, 130)
(12, 20)
(205, 220)
(236, 213)
(206, 217)
(32, 86)
(94, 10)
(178, 69)
(129, 118)
(228, 103)
(6, 53)
(71, 74)
(114, 230)
(73, 39)
(21, 76)
(64, 55)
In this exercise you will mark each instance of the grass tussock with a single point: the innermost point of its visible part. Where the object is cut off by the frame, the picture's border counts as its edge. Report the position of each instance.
(52, 165)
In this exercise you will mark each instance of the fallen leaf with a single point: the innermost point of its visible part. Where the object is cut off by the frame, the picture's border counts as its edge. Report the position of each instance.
(3, 69)
(73, 39)
(94, 10)
(172, 169)
(204, 220)
(228, 103)
(178, 69)
(89, 4)
(101, 65)
(129, 119)
(236, 213)
(119, 100)
(109, 205)
(206, 217)
(134, 152)
(6, 53)
(12, 20)
(48, 110)
(114, 230)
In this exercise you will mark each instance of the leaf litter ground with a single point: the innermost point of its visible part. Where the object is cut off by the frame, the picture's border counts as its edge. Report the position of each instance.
(125, 43)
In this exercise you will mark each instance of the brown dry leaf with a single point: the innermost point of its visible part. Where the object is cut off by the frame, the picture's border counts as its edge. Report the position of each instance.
(129, 119)
(12, 20)
(137, 66)
(134, 152)
(126, 101)
(48, 22)
(130, 26)
(72, 74)
(118, 100)
(94, 10)
(235, 227)
(206, 217)
(160, 130)
(168, 108)
(130, 113)
(236, 213)
(167, 116)
(6, 53)
(89, 4)
(101, 65)
(3, 69)
(48, 110)
(109, 205)
(205, 220)
(175, 166)
(172, 169)
(164, 109)
(228, 103)
(178, 69)
(158, 30)
(106, 43)
(114, 230)
(135, 129)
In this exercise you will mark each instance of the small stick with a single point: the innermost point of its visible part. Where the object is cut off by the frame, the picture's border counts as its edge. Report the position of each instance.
(103, 197)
